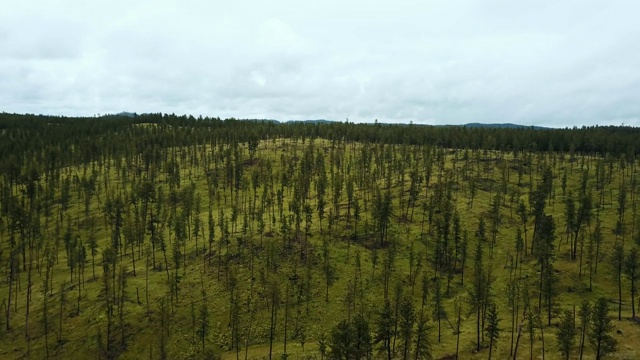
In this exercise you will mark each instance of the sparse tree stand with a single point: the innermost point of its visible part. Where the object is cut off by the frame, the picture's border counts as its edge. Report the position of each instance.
(146, 188)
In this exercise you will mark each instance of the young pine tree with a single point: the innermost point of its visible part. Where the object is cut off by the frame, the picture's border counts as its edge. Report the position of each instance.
(600, 330)
(491, 329)
(566, 333)
(407, 320)
(631, 269)
(384, 329)
(585, 318)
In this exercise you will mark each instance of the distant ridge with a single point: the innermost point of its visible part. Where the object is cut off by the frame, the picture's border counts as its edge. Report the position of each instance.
(504, 126)
(469, 125)
(126, 113)
(325, 121)
(316, 121)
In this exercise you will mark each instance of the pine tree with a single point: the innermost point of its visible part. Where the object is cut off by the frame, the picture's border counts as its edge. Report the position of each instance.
(458, 311)
(203, 318)
(631, 269)
(599, 330)
(619, 263)
(384, 329)
(477, 289)
(423, 343)
(342, 341)
(492, 330)
(438, 309)
(566, 333)
(362, 337)
(407, 320)
(585, 319)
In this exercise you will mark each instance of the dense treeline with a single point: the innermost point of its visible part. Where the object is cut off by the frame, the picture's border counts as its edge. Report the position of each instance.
(162, 236)
(87, 139)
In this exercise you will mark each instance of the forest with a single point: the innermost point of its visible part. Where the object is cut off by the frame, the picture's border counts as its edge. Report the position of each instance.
(173, 237)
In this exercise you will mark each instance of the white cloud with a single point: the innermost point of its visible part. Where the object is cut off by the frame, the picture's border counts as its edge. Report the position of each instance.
(545, 62)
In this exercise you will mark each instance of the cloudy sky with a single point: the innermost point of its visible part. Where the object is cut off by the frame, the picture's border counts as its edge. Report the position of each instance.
(554, 63)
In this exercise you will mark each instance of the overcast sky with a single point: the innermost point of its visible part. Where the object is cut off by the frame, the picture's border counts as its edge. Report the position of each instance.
(554, 63)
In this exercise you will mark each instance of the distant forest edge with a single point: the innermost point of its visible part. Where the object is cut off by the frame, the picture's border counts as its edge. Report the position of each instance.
(64, 141)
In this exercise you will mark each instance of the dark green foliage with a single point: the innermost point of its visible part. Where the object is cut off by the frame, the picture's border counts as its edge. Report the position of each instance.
(619, 266)
(350, 339)
(438, 308)
(477, 291)
(384, 331)
(362, 341)
(342, 341)
(566, 333)
(585, 319)
(492, 326)
(407, 321)
(631, 269)
(203, 321)
(423, 342)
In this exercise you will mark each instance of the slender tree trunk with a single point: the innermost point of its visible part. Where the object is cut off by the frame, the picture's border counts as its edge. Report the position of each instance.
(633, 297)
(272, 327)
(146, 282)
(513, 328)
(542, 338)
(286, 316)
(11, 272)
(515, 350)
(490, 347)
(620, 292)
(582, 340)
(458, 338)
(133, 258)
(478, 329)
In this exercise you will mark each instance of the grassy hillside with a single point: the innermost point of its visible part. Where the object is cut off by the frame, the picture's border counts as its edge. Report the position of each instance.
(254, 250)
